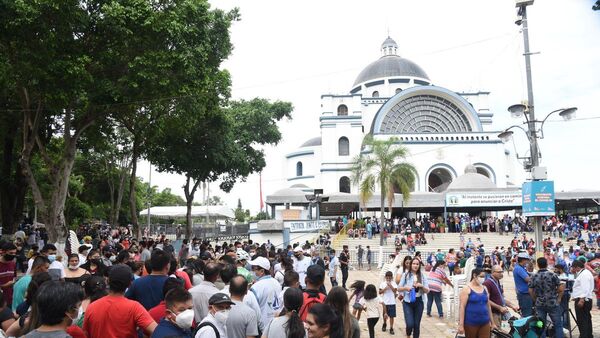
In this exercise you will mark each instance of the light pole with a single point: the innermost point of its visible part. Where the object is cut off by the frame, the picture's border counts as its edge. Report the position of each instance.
(528, 111)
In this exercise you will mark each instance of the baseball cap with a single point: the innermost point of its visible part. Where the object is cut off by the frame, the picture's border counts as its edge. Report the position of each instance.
(523, 255)
(220, 298)
(298, 249)
(205, 256)
(262, 262)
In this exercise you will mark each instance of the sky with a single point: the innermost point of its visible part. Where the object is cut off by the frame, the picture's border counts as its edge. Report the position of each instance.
(297, 51)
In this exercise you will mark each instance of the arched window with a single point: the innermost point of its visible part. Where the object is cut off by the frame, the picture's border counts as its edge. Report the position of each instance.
(375, 94)
(342, 110)
(343, 146)
(299, 168)
(345, 184)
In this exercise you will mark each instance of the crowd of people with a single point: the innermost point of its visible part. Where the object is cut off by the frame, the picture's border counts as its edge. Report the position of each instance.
(112, 285)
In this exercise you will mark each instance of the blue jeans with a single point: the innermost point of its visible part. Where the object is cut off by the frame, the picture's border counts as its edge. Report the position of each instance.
(555, 314)
(412, 316)
(437, 297)
(525, 303)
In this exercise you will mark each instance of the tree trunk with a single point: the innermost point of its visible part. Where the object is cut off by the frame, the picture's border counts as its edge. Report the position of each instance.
(132, 192)
(13, 186)
(189, 200)
(382, 220)
(120, 191)
(111, 190)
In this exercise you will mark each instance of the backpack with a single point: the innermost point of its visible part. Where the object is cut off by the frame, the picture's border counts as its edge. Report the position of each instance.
(201, 325)
(308, 301)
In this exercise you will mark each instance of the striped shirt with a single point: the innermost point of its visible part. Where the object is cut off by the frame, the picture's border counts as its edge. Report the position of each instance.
(436, 280)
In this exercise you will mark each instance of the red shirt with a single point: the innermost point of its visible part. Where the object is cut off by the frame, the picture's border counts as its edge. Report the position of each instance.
(75, 331)
(8, 272)
(158, 312)
(115, 317)
(187, 284)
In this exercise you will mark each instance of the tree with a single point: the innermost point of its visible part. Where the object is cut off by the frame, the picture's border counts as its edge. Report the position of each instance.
(240, 215)
(383, 167)
(207, 143)
(596, 6)
(70, 66)
(167, 198)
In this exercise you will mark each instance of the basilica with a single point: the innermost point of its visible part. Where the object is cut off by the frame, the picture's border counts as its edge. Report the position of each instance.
(448, 135)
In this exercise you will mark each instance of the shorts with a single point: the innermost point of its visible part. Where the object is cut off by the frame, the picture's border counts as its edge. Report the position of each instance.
(391, 310)
(357, 306)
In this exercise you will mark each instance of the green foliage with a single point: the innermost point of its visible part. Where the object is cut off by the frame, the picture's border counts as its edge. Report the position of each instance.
(166, 198)
(260, 216)
(383, 167)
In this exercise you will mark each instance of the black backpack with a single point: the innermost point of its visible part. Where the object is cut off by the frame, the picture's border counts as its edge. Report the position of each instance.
(201, 325)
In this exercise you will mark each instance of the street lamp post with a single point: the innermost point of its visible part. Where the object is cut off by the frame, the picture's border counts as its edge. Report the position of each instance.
(528, 111)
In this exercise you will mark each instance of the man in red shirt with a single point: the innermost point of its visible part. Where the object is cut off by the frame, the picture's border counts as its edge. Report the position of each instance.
(8, 271)
(114, 316)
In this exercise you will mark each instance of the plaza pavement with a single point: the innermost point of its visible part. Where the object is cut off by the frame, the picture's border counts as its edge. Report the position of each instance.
(434, 326)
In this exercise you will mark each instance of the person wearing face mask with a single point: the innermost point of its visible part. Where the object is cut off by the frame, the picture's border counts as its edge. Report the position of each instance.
(214, 324)
(94, 264)
(107, 254)
(74, 273)
(475, 313)
(334, 263)
(301, 264)
(266, 289)
(48, 251)
(114, 316)
(178, 317)
(8, 270)
(57, 306)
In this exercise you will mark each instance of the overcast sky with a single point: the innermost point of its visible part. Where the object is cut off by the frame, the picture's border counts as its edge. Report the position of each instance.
(298, 50)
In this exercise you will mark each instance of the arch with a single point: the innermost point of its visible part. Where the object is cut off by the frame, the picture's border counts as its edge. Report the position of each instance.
(438, 177)
(345, 184)
(343, 146)
(375, 94)
(342, 110)
(426, 109)
(398, 90)
(491, 173)
(299, 168)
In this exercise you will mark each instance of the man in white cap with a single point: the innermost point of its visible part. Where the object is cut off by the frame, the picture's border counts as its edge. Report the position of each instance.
(266, 289)
(522, 279)
(301, 264)
(214, 324)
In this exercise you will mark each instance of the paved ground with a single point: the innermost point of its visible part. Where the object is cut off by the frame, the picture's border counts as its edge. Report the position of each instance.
(434, 326)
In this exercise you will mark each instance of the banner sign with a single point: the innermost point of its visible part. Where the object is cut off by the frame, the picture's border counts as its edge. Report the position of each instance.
(306, 226)
(483, 199)
(538, 198)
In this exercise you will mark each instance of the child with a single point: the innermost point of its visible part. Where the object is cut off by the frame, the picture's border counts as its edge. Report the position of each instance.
(388, 290)
(370, 303)
(358, 288)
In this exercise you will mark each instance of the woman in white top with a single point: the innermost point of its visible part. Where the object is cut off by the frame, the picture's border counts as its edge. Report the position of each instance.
(413, 285)
(289, 324)
(286, 265)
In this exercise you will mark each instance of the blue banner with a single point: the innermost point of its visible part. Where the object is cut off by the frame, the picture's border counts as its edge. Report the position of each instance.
(538, 198)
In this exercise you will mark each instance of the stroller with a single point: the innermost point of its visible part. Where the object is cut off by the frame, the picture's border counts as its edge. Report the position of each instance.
(528, 327)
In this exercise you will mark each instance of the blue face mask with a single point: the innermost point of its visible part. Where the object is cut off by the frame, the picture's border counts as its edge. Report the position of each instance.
(51, 258)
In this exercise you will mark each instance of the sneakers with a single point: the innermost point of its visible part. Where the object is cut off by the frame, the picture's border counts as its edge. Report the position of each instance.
(429, 315)
(391, 331)
(384, 327)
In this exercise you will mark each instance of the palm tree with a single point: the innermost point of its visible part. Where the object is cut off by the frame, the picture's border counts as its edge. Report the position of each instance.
(383, 166)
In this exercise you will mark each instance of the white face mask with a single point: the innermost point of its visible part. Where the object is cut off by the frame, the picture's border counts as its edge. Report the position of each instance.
(73, 267)
(481, 280)
(184, 319)
(221, 316)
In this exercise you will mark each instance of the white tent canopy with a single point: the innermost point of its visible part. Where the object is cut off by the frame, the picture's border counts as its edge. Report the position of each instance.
(215, 211)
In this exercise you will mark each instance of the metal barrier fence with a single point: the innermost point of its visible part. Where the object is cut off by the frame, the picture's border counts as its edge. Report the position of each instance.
(233, 232)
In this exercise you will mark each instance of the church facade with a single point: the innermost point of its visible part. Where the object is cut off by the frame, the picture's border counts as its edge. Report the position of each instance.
(445, 131)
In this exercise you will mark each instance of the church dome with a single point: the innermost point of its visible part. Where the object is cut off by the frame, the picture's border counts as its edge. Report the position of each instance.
(390, 65)
(315, 141)
(471, 180)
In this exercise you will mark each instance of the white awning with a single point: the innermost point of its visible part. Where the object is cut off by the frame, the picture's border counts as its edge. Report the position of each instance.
(219, 211)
